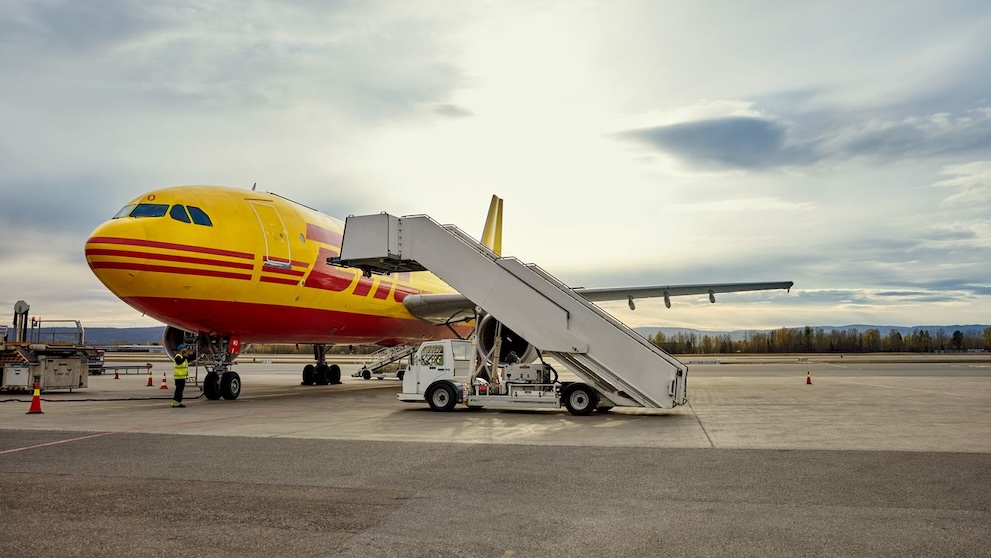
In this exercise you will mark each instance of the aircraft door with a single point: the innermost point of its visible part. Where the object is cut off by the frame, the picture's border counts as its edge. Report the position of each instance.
(277, 250)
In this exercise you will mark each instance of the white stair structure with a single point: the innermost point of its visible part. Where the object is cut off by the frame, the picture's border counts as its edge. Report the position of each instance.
(620, 364)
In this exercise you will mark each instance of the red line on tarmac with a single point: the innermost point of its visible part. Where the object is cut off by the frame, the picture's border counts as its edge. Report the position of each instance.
(57, 442)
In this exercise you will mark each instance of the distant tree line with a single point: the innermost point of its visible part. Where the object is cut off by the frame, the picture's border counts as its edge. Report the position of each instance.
(817, 340)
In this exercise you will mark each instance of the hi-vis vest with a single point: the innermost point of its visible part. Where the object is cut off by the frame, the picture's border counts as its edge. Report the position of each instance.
(181, 371)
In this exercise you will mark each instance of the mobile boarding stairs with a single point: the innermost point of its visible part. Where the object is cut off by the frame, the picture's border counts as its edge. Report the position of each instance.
(620, 364)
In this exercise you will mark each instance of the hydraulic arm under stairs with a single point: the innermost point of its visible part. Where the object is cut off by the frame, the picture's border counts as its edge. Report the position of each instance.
(619, 363)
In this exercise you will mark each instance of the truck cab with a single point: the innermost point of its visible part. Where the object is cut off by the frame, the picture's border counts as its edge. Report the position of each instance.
(450, 361)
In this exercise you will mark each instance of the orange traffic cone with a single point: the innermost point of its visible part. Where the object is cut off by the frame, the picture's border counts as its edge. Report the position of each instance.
(36, 401)
(808, 378)
(150, 383)
(165, 383)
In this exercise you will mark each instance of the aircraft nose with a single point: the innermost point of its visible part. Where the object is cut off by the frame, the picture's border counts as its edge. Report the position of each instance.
(114, 253)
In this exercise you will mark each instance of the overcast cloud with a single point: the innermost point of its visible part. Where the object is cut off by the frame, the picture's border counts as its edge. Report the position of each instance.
(842, 145)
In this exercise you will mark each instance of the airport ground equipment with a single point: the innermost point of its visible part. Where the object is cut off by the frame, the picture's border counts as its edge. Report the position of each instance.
(621, 366)
(376, 362)
(445, 373)
(30, 357)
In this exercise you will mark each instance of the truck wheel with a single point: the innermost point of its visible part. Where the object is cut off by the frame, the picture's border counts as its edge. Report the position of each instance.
(580, 399)
(366, 374)
(441, 397)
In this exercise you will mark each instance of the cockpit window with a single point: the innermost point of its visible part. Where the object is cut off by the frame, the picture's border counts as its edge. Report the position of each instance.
(199, 217)
(150, 210)
(178, 213)
(124, 212)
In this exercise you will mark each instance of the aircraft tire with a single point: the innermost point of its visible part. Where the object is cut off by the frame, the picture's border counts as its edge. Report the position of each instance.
(211, 386)
(580, 399)
(308, 375)
(441, 397)
(334, 374)
(320, 375)
(230, 385)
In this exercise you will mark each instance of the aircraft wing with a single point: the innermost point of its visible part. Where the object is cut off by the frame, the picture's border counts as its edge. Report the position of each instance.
(448, 308)
(631, 293)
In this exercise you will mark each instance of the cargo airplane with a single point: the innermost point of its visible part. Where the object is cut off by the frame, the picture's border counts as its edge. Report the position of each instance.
(225, 266)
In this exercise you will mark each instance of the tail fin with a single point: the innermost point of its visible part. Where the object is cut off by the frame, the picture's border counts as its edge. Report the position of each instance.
(492, 233)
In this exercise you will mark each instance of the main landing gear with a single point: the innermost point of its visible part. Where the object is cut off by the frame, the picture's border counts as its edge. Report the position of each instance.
(221, 381)
(321, 373)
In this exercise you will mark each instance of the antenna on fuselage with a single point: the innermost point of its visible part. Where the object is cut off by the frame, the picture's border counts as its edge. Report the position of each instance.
(253, 186)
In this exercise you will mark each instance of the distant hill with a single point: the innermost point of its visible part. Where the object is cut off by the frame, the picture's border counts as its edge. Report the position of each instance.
(740, 334)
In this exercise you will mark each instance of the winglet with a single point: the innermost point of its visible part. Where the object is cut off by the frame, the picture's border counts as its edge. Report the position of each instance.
(492, 233)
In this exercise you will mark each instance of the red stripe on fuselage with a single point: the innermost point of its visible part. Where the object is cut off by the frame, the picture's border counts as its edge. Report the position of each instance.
(363, 287)
(169, 246)
(329, 277)
(168, 269)
(320, 234)
(166, 257)
(293, 272)
(279, 280)
(383, 291)
(265, 323)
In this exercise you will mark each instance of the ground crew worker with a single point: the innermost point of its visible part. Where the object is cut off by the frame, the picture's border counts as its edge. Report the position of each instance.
(180, 373)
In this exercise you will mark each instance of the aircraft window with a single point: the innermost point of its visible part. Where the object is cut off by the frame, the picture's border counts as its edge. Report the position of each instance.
(199, 217)
(178, 213)
(123, 212)
(150, 210)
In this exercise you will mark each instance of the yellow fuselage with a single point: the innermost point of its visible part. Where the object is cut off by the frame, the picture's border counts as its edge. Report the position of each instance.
(225, 261)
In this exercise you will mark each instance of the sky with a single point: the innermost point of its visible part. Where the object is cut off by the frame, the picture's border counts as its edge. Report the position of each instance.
(842, 145)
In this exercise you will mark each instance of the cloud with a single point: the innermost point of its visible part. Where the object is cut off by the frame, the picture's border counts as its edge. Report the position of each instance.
(734, 142)
(803, 140)
(973, 183)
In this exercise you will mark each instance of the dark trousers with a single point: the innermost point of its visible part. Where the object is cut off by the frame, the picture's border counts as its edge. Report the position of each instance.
(179, 386)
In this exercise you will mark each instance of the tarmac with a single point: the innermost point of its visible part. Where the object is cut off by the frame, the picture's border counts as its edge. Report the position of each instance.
(878, 457)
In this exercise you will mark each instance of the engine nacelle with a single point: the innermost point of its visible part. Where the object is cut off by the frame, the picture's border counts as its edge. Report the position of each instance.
(511, 342)
(173, 337)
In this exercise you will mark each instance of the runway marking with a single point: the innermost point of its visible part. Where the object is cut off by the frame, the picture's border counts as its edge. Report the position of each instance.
(57, 442)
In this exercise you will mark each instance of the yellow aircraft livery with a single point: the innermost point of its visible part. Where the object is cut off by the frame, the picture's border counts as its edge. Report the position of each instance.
(252, 266)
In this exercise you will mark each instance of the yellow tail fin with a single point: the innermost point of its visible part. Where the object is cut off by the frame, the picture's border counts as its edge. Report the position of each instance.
(492, 233)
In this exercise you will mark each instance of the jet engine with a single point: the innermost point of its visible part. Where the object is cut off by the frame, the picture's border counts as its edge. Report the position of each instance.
(511, 342)
(173, 337)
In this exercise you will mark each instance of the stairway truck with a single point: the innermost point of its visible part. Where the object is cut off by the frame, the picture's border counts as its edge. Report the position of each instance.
(446, 373)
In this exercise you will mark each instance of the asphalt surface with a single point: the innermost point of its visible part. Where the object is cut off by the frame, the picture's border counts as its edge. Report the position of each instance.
(874, 459)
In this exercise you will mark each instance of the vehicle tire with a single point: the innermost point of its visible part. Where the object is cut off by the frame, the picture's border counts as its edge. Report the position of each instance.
(366, 374)
(400, 374)
(308, 375)
(580, 399)
(334, 374)
(320, 375)
(230, 385)
(211, 386)
(441, 397)
(604, 408)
